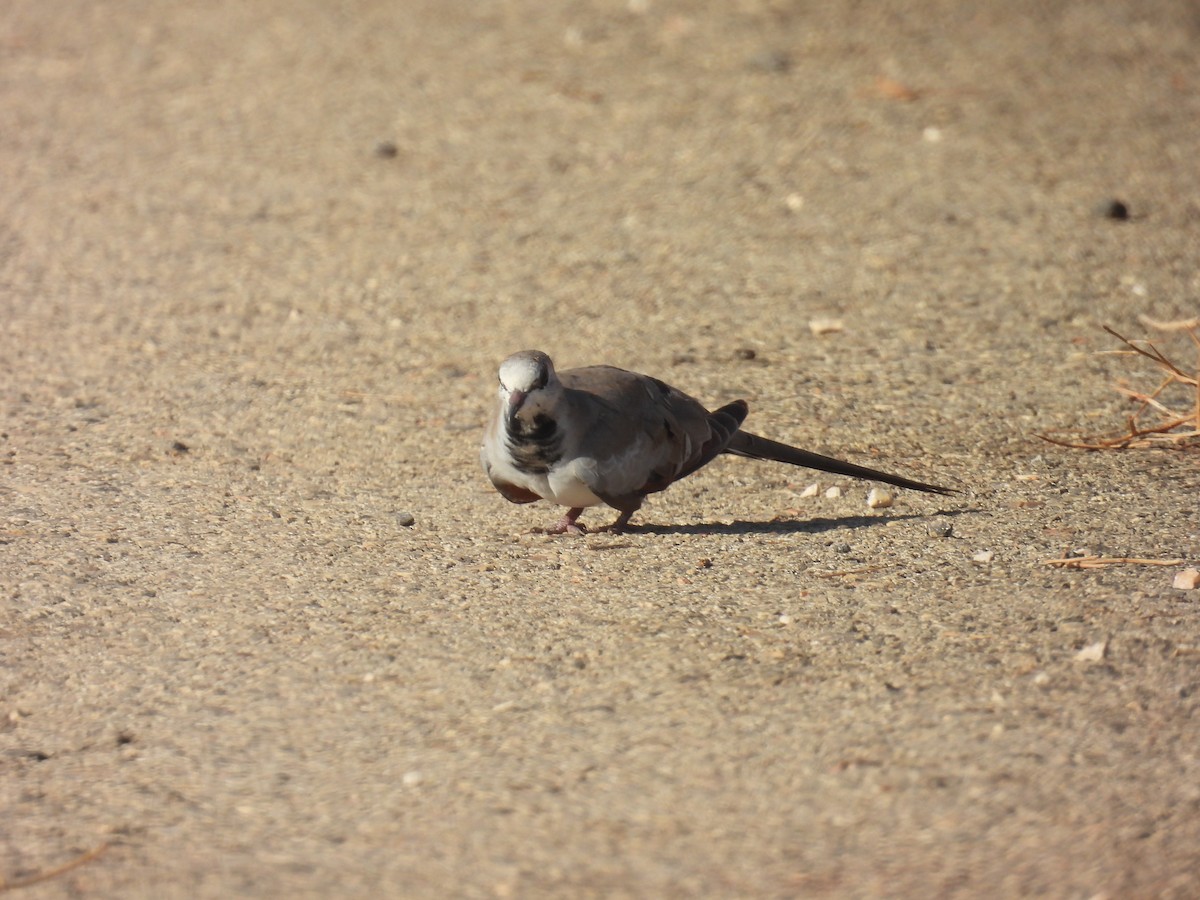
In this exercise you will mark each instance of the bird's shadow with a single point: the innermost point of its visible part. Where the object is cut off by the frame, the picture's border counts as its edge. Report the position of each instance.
(787, 526)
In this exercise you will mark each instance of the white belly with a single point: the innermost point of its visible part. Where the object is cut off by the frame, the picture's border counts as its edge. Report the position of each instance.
(569, 487)
(566, 485)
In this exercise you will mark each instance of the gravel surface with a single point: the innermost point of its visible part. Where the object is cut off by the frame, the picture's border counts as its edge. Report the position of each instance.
(265, 629)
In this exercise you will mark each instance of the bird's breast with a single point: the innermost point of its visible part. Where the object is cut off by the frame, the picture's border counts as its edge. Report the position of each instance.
(533, 444)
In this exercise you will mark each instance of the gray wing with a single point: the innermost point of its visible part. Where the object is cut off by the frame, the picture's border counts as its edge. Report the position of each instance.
(643, 434)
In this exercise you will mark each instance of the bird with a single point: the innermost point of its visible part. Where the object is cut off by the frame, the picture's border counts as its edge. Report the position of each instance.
(603, 435)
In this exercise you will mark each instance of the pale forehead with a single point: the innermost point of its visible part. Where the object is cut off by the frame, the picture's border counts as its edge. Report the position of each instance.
(522, 370)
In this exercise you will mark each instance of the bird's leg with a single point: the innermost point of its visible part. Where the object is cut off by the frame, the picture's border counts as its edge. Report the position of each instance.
(619, 526)
(567, 524)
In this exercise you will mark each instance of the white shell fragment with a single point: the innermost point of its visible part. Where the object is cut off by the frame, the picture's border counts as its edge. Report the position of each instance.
(878, 498)
(984, 556)
(811, 491)
(1187, 580)
(824, 325)
(1092, 652)
(832, 492)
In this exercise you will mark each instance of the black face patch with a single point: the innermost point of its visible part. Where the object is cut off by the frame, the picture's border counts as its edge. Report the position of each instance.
(534, 445)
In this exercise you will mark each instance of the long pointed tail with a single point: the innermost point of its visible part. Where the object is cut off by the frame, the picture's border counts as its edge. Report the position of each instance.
(755, 447)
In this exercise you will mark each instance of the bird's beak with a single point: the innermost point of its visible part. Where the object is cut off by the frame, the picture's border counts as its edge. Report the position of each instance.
(515, 401)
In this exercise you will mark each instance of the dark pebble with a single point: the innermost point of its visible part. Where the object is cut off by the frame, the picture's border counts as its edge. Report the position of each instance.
(1116, 209)
(771, 61)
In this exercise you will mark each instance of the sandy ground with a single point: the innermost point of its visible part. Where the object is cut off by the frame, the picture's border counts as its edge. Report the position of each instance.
(258, 263)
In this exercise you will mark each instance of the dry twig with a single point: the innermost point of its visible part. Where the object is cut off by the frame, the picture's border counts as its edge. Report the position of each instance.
(1174, 427)
(842, 573)
(39, 877)
(1098, 562)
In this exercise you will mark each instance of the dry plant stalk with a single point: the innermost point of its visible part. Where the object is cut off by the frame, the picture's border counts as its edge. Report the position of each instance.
(1174, 427)
(842, 573)
(52, 873)
(1099, 562)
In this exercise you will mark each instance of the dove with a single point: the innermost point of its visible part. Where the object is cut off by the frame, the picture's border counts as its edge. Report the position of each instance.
(602, 435)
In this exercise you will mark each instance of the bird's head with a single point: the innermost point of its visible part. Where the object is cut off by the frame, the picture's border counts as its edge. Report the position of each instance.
(528, 385)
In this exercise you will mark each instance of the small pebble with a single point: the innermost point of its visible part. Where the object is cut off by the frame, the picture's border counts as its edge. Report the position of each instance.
(1187, 580)
(879, 499)
(405, 519)
(1115, 209)
(746, 353)
(386, 150)
(984, 556)
(1092, 652)
(771, 61)
(825, 325)
(940, 529)
(842, 548)
(811, 491)
(412, 779)
(832, 492)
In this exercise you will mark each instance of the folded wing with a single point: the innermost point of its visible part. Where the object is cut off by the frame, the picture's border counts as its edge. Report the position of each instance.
(643, 434)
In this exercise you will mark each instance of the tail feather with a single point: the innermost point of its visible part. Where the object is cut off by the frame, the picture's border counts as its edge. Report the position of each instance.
(754, 447)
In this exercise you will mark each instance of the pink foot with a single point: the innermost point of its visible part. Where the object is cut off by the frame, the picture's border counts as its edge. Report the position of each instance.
(567, 524)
